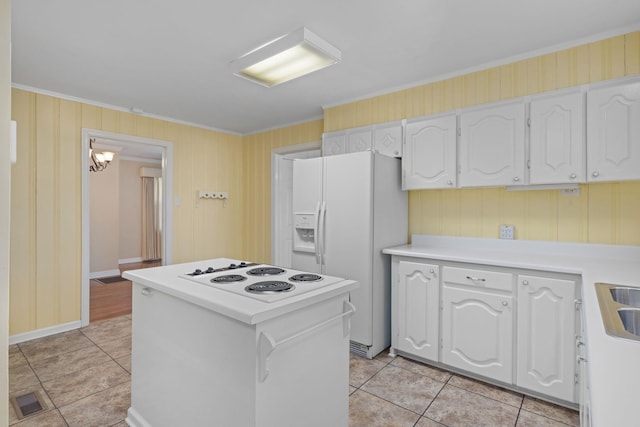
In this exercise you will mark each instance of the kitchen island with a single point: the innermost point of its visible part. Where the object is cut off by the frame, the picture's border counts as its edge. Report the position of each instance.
(608, 393)
(205, 352)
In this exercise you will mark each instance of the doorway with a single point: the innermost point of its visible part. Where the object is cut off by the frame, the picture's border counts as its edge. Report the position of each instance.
(281, 198)
(141, 147)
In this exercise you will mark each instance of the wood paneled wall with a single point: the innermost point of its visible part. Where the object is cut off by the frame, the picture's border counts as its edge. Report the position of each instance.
(46, 200)
(602, 213)
(257, 188)
(46, 182)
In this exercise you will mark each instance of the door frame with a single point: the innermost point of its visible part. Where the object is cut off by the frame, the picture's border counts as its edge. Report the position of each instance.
(117, 139)
(277, 155)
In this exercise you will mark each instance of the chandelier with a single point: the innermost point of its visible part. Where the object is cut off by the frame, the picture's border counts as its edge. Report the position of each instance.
(99, 160)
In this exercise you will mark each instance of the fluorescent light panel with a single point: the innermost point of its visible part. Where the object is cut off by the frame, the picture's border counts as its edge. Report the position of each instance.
(285, 58)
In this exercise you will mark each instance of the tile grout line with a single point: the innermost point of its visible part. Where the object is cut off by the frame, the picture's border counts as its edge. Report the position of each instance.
(55, 407)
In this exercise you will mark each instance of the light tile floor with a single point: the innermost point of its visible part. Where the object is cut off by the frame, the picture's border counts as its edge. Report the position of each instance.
(84, 377)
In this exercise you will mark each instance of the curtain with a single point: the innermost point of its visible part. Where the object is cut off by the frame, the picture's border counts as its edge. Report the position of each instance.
(151, 218)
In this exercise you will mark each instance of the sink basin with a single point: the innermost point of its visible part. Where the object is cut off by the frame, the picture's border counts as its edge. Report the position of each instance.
(630, 318)
(620, 310)
(626, 296)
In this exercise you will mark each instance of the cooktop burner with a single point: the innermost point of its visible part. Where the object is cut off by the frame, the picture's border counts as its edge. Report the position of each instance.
(269, 287)
(305, 277)
(266, 271)
(228, 278)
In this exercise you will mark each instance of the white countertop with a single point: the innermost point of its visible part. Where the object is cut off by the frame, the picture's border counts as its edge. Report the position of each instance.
(166, 279)
(613, 363)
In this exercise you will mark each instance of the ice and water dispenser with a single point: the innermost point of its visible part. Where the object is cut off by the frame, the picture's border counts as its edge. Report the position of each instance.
(304, 236)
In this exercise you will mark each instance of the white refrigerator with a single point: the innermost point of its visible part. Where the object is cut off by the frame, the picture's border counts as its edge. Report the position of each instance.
(346, 209)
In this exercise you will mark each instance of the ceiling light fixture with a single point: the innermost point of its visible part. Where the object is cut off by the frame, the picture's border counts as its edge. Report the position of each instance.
(285, 58)
(99, 160)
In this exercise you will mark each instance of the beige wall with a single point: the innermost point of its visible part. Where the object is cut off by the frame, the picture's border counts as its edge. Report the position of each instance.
(5, 188)
(602, 213)
(45, 204)
(46, 200)
(104, 212)
(130, 217)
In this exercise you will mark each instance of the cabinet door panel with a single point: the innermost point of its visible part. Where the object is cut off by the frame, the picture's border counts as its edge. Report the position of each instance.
(429, 158)
(359, 140)
(613, 133)
(557, 140)
(334, 143)
(418, 309)
(546, 336)
(492, 146)
(477, 332)
(387, 139)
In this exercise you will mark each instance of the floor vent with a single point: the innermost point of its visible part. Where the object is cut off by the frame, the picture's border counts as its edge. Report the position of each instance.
(359, 349)
(27, 404)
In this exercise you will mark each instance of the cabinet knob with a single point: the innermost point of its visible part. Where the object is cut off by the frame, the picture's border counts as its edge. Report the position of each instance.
(505, 303)
(396, 152)
(449, 182)
(595, 174)
(146, 291)
(572, 176)
(516, 179)
(432, 271)
(525, 283)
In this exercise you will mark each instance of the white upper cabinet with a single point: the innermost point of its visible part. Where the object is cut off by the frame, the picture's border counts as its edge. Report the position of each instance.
(429, 155)
(613, 132)
(492, 146)
(334, 143)
(359, 140)
(387, 139)
(557, 144)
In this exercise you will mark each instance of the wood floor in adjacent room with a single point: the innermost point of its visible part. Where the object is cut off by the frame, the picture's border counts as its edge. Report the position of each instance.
(113, 299)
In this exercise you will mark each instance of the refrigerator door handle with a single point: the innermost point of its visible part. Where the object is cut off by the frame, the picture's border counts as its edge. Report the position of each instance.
(317, 236)
(322, 236)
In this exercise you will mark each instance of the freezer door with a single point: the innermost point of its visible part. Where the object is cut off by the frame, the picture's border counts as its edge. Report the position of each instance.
(347, 232)
(307, 198)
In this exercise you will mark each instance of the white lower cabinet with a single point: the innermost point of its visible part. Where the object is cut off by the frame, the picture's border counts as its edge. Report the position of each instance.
(417, 296)
(547, 325)
(517, 327)
(477, 323)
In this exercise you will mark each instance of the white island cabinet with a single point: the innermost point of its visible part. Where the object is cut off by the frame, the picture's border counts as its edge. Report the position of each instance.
(203, 356)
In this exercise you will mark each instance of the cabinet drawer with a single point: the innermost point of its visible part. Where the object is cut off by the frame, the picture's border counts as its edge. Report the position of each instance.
(478, 278)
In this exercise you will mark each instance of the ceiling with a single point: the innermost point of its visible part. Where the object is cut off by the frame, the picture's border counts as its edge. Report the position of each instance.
(171, 58)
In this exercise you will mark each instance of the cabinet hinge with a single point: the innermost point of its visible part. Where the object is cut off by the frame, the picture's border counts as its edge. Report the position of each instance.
(529, 122)
(576, 378)
(459, 131)
(578, 304)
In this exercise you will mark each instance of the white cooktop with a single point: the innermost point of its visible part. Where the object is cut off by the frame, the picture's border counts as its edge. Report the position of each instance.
(233, 301)
(251, 275)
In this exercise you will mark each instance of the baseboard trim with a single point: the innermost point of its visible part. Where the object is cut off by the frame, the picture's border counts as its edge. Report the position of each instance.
(44, 332)
(129, 260)
(106, 273)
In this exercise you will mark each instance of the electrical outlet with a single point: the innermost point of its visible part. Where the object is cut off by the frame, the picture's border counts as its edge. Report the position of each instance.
(506, 231)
